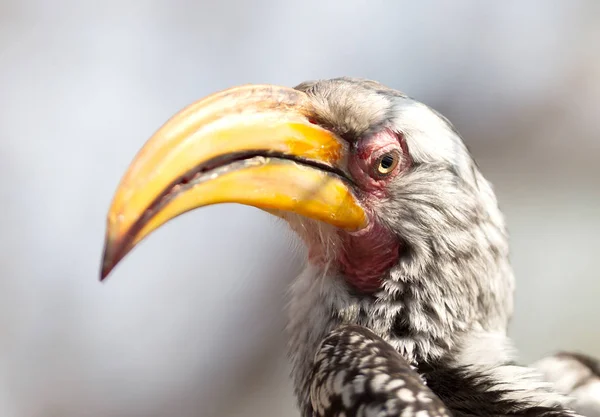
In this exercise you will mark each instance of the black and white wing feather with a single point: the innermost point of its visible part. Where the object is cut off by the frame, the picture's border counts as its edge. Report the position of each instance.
(358, 374)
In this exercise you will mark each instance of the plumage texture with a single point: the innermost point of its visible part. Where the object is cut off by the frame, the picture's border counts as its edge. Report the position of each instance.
(357, 374)
(446, 304)
(575, 375)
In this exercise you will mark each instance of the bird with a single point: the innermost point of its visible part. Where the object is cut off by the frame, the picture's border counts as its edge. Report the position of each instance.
(404, 303)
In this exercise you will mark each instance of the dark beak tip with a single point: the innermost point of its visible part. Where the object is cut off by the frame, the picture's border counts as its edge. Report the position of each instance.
(104, 272)
(111, 256)
(107, 267)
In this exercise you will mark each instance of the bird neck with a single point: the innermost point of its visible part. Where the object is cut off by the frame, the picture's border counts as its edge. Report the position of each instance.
(426, 303)
(312, 314)
(469, 368)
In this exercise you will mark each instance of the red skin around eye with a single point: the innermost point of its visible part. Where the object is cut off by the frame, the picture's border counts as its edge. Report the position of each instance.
(366, 154)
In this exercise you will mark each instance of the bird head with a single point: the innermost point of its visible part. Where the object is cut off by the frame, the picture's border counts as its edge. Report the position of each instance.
(380, 187)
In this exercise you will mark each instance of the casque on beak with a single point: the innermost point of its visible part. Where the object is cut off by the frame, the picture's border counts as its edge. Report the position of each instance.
(253, 145)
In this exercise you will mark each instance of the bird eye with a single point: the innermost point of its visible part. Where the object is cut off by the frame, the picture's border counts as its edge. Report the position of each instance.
(386, 163)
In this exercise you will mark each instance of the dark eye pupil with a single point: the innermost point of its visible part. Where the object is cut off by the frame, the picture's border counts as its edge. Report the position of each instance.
(387, 161)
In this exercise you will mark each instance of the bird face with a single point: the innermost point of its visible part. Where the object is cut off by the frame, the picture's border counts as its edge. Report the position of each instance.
(380, 187)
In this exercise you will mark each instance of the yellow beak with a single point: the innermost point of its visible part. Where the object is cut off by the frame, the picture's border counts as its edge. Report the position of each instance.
(252, 145)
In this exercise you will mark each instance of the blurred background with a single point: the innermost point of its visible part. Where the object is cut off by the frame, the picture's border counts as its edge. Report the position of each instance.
(190, 324)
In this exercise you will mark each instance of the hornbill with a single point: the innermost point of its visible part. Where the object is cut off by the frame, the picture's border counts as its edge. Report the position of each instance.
(405, 300)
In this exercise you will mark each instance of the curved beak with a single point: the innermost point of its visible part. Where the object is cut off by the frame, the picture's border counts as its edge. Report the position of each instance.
(253, 145)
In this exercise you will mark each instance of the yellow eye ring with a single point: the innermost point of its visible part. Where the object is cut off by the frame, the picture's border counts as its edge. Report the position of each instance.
(387, 163)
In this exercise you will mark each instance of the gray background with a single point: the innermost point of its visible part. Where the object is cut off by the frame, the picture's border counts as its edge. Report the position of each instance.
(190, 324)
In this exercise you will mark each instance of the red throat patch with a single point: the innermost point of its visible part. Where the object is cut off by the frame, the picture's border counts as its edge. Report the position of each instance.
(367, 255)
(362, 257)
